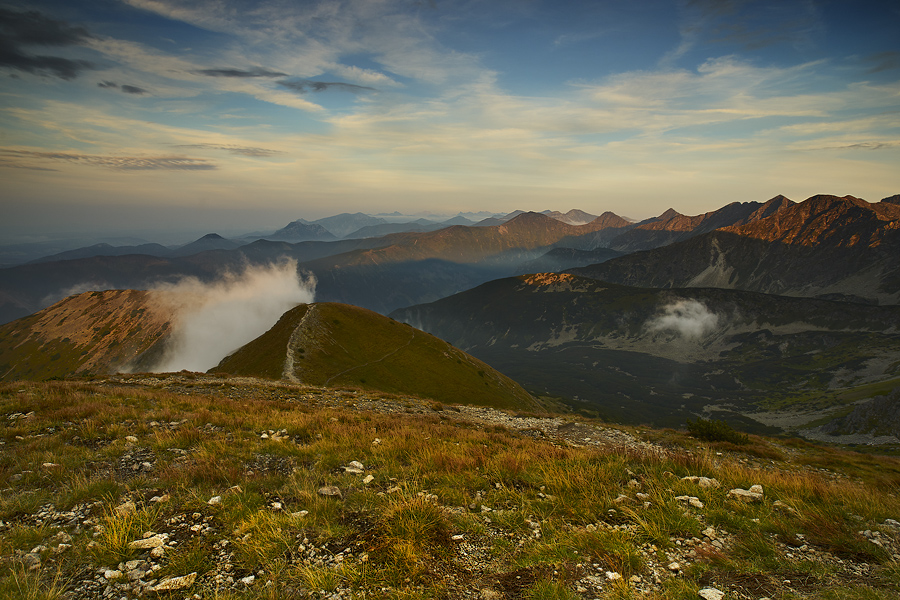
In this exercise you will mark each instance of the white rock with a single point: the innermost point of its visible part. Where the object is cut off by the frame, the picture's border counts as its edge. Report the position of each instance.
(112, 574)
(131, 438)
(613, 576)
(745, 495)
(175, 583)
(757, 489)
(147, 543)
(248, 580)
(356, 465)
(711, 594)
(299, 514)
(704, 482)
(674, 566)
(215, 500)
(368, 479)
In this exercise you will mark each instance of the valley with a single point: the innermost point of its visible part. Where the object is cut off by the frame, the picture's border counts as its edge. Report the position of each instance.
(778, 317)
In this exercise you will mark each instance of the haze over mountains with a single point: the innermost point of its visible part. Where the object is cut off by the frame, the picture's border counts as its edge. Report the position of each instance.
(774, 304)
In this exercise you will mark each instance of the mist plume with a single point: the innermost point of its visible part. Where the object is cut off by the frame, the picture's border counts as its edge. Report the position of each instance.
(212, 320)
(689, 318)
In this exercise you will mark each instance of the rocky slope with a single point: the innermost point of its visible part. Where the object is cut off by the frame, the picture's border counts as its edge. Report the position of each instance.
(208, 487)
(825, 246)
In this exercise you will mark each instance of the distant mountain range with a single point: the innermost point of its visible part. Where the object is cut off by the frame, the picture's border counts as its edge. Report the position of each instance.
(752, 310)
(769, 247)
(827, 246)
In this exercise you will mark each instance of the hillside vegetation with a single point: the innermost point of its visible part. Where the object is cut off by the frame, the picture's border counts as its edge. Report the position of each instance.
(89, 333)
(197, 487)
(329, 344)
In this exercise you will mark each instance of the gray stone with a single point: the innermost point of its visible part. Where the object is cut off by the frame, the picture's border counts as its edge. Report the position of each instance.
(330, 491)
(32, 561)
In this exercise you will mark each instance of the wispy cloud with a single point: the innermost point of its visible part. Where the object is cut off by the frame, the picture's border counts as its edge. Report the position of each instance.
(304, 86)
(233, 149)
(124, 163)
(745, 24)
(883, 61)
(240, 73)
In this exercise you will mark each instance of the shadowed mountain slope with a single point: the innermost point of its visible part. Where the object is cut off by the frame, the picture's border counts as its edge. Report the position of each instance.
(91, 333)
(330, 344)
(660, 356)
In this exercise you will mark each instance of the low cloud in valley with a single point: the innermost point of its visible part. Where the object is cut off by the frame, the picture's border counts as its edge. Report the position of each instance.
(688, 318)
(212, 320)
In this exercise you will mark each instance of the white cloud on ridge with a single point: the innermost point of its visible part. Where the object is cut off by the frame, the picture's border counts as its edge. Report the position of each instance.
(690, 319)
(212, 320)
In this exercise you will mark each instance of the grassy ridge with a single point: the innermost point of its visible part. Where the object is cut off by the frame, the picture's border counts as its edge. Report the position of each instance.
(343, 345)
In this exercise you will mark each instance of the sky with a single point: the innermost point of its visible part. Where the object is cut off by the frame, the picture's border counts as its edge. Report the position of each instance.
(241, 115)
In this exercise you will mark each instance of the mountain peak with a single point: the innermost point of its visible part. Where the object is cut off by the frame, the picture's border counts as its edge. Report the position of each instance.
(669, 215)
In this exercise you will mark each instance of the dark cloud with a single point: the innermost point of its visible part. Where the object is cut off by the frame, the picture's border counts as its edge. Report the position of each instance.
(64, 68)
(123, 163)
(32, 28)
(305, 85)
(883, 61)
(240, 73)
(37, 29)
(242, 150)
(128, 89)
